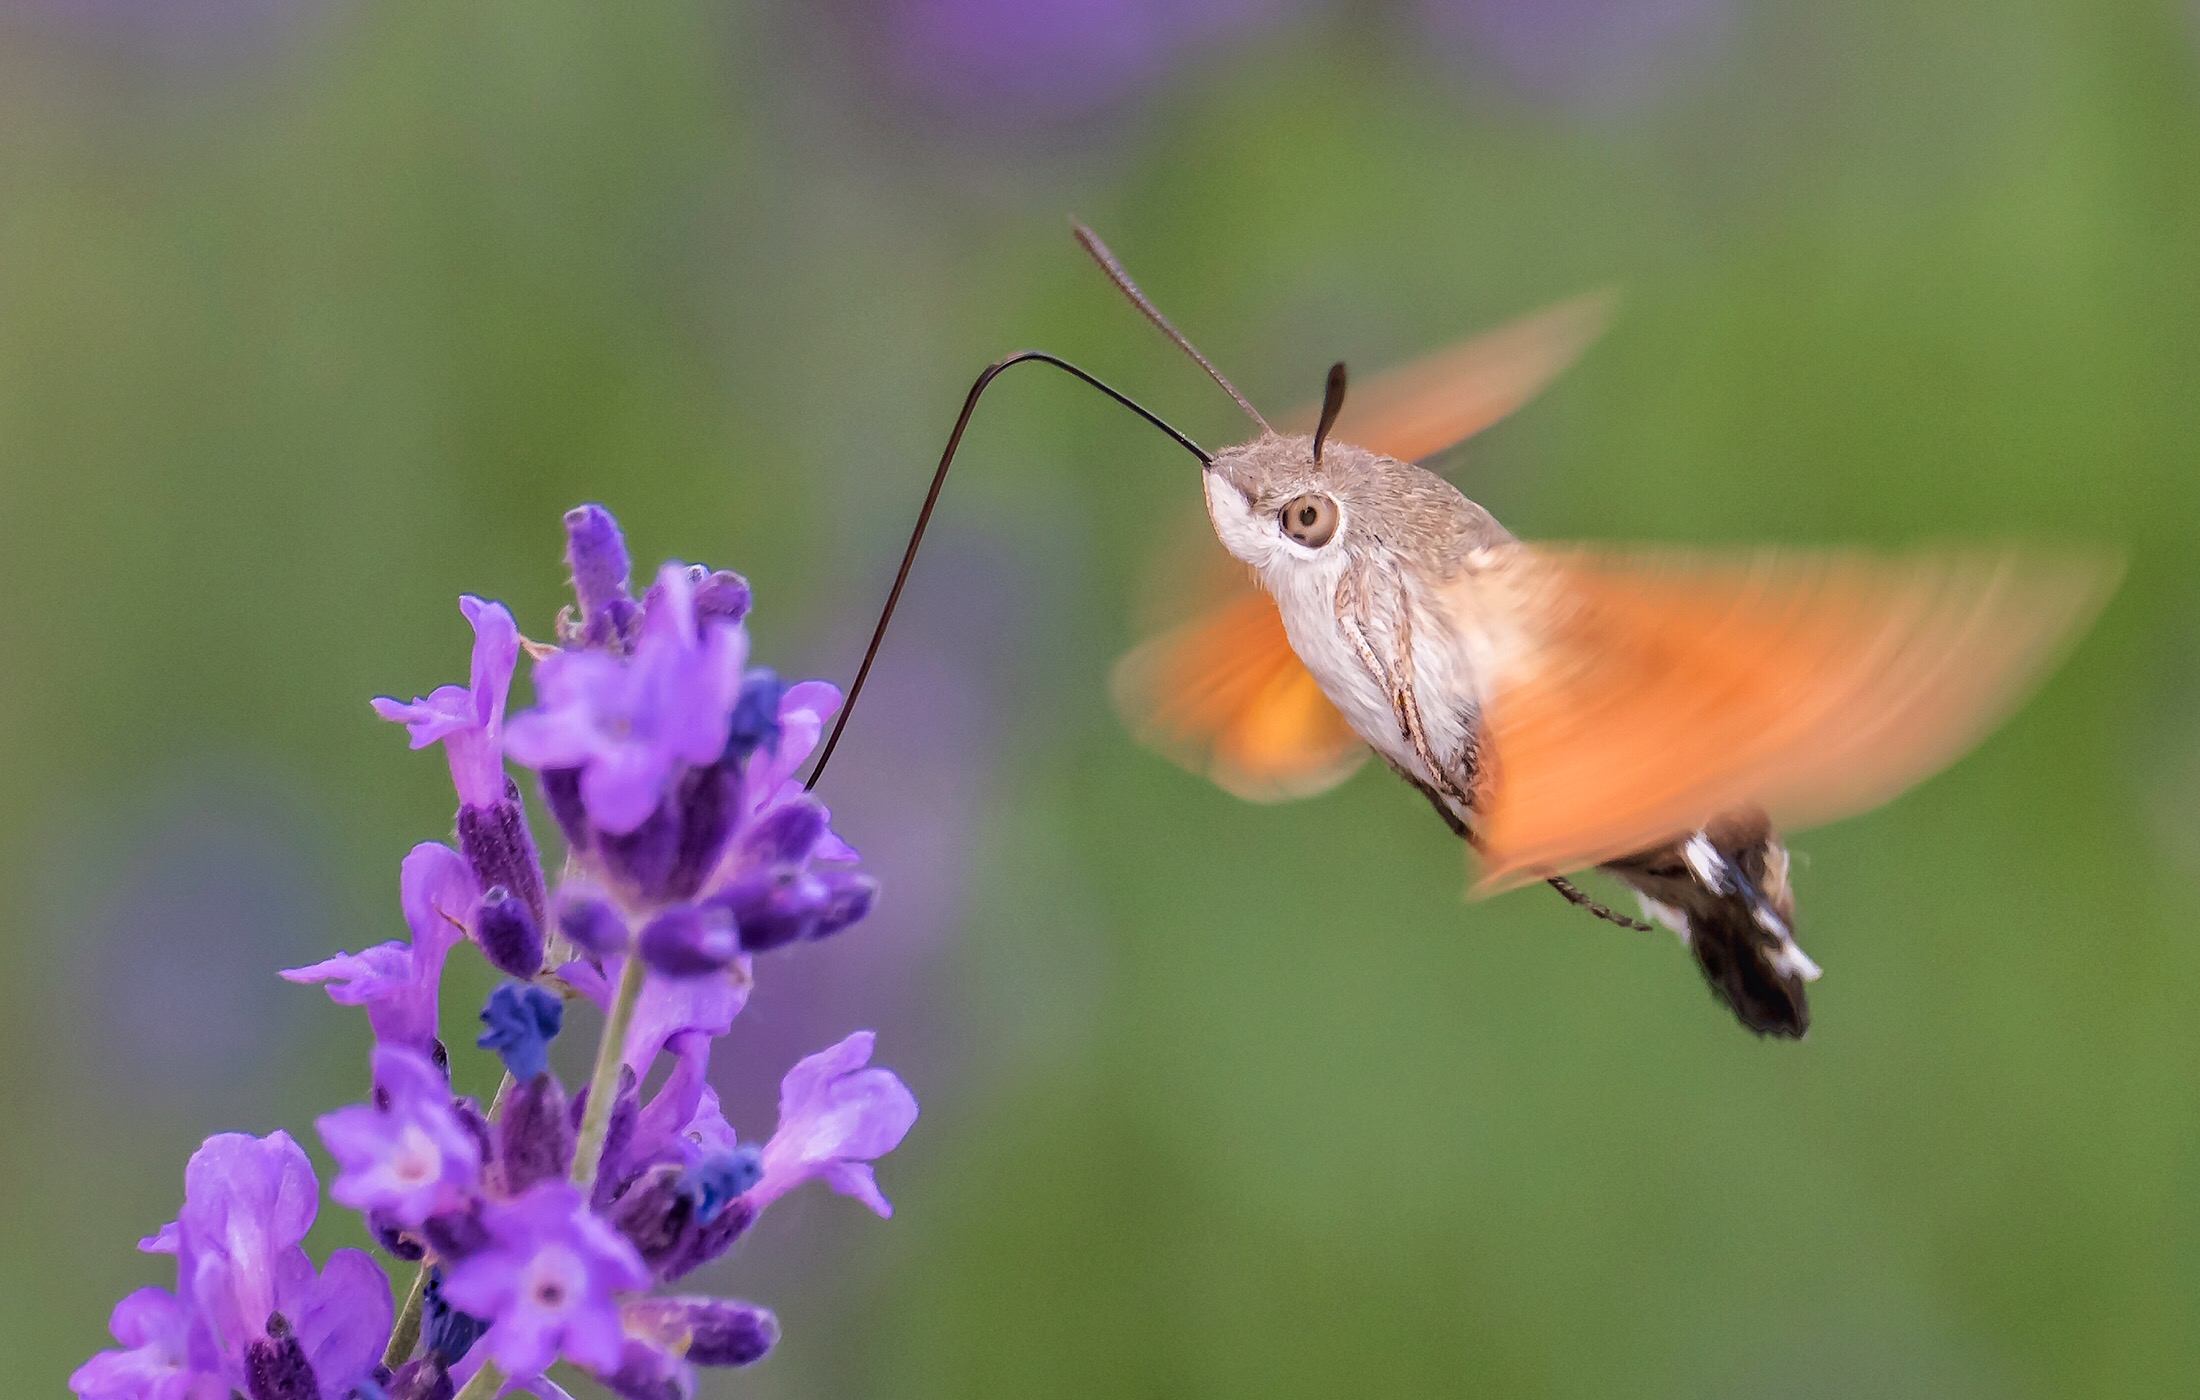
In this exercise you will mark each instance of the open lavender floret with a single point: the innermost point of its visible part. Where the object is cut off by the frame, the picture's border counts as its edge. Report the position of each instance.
(545, 1228)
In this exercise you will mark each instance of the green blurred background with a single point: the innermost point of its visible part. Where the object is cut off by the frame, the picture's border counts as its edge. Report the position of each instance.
(314, 314)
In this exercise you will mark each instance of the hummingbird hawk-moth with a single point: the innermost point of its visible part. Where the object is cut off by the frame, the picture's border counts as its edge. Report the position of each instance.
(1651, 713)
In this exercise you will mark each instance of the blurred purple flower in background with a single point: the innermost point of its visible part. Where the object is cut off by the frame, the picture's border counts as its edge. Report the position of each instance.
(1008, 60)
(1587, 54)
(539, 1226)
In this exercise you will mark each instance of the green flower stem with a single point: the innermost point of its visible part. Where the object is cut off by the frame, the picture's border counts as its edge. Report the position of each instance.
(486, 1382)
(603, 1086)
(405, 1335)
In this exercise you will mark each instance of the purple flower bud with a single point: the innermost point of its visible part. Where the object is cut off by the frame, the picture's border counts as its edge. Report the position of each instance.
(626, 1110)
(395, 1237)
(785, 904)
(655, 1213)
(722, 596)
(643, 860)
(521, 1021)
(708, 802)
(647, 1373)
(561, 793)
(714, 1331)
(602, 571)
(535, 1136)
(497, 844)
(588, 921)
(788, 834)
(426, 1378)
(276, 1368)
(509, 936)
(456, 1234)
(703, 1243)
(687, 941)
(849, 895)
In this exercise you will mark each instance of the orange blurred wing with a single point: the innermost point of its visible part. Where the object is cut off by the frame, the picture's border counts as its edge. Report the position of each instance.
(1635, 695)
(1419, 409)
(1225, 695)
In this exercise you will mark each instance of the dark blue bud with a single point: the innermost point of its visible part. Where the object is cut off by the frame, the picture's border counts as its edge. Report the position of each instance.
(497, 844)
(689, 941)
(449, 1333)
(522, 1021)
(720, 1177)
(509, 936)
(275, 1366)
(755, 717)
(590, 923)
(535, 1135)
(722, 596)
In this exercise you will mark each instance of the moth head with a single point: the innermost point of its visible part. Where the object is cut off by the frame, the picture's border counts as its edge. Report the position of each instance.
(1273, 506)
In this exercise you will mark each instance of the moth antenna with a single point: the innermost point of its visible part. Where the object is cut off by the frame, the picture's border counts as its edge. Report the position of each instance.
(1091, 243)
(1332, 405)
(932, 498)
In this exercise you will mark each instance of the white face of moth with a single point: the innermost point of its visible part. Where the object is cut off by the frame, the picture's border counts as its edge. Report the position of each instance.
(1258, 538)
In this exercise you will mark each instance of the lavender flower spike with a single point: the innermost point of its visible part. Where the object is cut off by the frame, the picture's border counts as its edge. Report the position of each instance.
(548, 1282)
(468, 720)
(836, 1115)
(408, 1156)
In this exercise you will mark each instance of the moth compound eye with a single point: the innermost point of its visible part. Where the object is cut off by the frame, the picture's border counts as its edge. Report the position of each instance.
(1311, 520)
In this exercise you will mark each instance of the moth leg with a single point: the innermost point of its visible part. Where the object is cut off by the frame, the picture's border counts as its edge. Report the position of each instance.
(1459, 828)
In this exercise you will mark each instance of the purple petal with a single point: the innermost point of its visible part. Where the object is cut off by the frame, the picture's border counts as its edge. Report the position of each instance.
(432, 718)
(361, 977)
(670, 1005)
(345, 1322)
(835, 1115)
(856, 1179)
(623, 784)
(496, 653)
